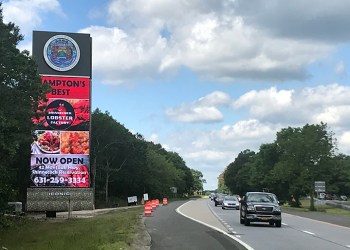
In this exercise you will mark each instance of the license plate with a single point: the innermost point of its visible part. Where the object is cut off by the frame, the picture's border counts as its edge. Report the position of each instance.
(264, 218)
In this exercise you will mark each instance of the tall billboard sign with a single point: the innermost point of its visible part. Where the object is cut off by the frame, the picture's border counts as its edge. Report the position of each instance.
(60, 160)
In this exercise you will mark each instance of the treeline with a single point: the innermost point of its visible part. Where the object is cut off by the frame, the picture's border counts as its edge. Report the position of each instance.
(291, 164)
(122, 164)
(20, 92)
(125, 164)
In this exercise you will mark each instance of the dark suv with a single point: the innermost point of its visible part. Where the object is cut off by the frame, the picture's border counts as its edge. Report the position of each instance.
(219, 199)
(260, 207)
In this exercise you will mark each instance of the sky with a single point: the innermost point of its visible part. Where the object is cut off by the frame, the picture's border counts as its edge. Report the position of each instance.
(209, 79)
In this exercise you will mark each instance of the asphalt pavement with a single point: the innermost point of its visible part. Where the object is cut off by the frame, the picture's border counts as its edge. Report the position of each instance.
(191, 225)
(170, 230)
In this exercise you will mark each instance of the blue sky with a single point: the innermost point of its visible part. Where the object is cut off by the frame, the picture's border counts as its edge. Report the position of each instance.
(209, 79)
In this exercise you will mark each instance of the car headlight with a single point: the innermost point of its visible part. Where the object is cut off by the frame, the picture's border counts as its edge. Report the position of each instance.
(250, 208)
(277, 209)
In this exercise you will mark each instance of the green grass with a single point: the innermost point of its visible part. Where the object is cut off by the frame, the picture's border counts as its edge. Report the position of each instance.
(305, 207)
(114, 230)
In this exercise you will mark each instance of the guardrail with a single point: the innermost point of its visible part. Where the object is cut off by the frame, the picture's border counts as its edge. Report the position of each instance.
(338, 204)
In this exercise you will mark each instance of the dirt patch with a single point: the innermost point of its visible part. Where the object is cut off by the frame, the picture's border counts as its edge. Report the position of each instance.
(142, 239)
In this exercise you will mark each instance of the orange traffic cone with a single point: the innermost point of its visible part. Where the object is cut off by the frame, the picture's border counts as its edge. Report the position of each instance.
(148, 209)
(165, 201)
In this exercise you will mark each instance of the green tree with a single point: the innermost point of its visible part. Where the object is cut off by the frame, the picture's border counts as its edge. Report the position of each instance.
(185, 183)
(112, 147)
(237, 173)
(290, 165)
(197, 181)
(161, 174)
(266, 159)
(20, 92)
(338, 179)
(305, 154)
(222, 188)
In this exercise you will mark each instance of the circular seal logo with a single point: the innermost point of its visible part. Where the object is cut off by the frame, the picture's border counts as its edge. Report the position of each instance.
(61, 53)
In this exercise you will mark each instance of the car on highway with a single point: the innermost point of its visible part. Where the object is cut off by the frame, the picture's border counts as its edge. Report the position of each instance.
(321, 196)
(343, 197)
(211, 196)
(218, 199)
(260, 207)
(230, 202)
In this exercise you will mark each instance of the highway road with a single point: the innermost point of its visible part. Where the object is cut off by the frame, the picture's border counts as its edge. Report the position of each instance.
(296, 232)
(198, 224)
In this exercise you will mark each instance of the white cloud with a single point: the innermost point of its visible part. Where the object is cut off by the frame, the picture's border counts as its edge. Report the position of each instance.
(312, 20)
(222, 40)
(205, 109)
(333, 115)
(215, 98)
(266, 102)
(119, 57)
(249, 129)
(27, 13)
(185, 113)
(215, 39)
(344, 143)
(154, 138)
(206, 155)
(327, 103)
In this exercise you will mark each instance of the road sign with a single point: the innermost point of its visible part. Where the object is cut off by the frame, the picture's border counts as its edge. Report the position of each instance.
(320, 186)
(173, 190)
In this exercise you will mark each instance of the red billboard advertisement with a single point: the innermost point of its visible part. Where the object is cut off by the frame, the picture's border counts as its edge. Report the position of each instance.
(60, 147)
(68, 87)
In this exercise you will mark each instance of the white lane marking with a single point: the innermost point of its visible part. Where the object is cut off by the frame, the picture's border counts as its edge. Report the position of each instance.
(307, 232)
(348, 246)
(215, 228)
(285, 224)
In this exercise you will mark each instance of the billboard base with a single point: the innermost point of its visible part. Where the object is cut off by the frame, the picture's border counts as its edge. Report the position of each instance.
(59, 199)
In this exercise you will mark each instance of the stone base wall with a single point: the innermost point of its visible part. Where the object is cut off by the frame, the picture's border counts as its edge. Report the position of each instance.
(59, 199)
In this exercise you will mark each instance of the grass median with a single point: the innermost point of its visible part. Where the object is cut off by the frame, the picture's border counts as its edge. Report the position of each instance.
(112, 230)
(305, 207)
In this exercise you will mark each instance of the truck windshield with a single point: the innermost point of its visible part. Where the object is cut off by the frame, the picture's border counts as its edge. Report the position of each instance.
(268, 198)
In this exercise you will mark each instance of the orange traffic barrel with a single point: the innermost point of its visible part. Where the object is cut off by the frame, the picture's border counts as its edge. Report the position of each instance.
(154, 205)
(165, 201)
(157, 202)
(148, 209)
